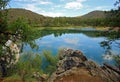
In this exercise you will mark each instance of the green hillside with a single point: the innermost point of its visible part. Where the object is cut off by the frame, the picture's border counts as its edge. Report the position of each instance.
(94, 14)
(32, 17)
(94, 18)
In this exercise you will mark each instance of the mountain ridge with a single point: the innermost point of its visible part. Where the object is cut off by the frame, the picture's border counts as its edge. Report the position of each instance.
(94, 14)
(14, 13)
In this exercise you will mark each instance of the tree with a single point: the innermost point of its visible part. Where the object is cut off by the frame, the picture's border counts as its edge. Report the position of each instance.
(19, 31)
(3, 26)
(3, 14)
(113, 17)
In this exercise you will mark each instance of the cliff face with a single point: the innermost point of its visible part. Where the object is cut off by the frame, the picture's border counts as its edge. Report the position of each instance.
(73, 66)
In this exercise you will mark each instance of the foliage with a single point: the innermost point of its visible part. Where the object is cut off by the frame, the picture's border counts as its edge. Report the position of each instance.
(3, 15)
(30, 63)
(19, 29)
(3, 29)
(27, 65)
(22, 25)
(51, 61)
(31, 17)
(113, 16)
(41, 21)
(3, 4)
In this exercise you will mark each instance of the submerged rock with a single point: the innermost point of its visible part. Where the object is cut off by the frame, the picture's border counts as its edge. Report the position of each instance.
(73, 66)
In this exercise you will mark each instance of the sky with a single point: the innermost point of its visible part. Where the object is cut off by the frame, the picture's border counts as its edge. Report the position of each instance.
(68, 8)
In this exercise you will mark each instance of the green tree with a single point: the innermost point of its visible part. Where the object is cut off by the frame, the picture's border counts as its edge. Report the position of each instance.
(113, 16)
(3, 27)
(18, 30)
(21, 26)
(51, 61)
(28, 64)
(3, 15)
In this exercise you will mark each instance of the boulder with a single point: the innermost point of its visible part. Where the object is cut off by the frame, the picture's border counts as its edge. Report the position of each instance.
(75, 63)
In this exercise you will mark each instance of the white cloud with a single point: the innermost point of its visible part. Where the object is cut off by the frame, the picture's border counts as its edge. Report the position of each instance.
(74, 41)
(101, 8)
(25, 0)
(74, 4)
(52, 14)
(45, 2)
(32, 7)
(34, 2)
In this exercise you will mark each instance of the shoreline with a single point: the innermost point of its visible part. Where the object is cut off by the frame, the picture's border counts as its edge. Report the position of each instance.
(101, 28)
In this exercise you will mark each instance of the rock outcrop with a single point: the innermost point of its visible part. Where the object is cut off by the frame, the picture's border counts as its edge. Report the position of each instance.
(73, 66)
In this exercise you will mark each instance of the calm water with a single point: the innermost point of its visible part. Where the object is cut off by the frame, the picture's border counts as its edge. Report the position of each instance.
(87, 42)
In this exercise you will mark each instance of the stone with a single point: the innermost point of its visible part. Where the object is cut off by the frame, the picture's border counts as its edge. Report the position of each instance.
(60, 70)
(40, 77)
(73, 61)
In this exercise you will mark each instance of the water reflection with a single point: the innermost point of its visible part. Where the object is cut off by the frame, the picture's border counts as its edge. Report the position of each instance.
(94, 45)
(111, 47)
(109, 54)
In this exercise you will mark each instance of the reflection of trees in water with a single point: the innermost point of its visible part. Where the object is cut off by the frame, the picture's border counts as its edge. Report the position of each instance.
(113, 40)
(59, 32)
(113, 37)
(56, 32)
(107, 44)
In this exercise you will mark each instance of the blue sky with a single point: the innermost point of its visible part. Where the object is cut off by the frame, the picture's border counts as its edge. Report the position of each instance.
(69, 8)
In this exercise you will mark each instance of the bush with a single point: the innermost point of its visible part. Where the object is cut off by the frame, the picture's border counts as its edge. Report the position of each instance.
(27, 65)
(52, 62)
(31, 63)
(21, 25)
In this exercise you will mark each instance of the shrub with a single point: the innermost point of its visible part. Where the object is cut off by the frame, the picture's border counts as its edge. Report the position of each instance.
(27, 65)
(51, 60)
(21, 25)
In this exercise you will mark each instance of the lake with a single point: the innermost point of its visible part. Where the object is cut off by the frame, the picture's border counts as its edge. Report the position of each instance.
(90, 42)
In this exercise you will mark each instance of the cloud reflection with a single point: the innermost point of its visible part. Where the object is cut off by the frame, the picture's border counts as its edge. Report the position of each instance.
(74, 41)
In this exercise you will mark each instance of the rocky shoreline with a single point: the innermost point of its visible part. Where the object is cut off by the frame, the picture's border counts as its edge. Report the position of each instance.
(73, 66)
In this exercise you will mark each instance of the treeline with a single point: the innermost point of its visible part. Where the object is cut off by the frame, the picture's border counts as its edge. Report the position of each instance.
(111, 19)
(72, 21)
(76, 21)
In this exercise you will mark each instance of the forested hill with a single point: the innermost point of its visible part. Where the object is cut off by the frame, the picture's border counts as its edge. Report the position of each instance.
(15, 13)
(94, 18)
(94, 14)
